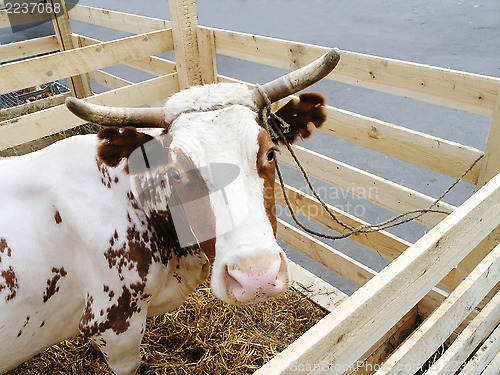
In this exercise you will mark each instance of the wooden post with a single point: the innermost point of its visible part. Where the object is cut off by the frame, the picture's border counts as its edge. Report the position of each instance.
(184, 28)
(80, 85)
(208, 63)
(491, 162)
(490, 167)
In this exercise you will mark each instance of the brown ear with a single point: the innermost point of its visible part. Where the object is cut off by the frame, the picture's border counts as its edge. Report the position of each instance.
(119, 143)
(309, 109)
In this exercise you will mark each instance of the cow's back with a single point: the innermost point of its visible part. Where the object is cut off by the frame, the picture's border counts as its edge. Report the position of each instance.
(49, 217)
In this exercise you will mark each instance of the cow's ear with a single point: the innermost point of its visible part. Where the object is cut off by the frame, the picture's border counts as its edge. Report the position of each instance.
(119, 143)
(303, 115)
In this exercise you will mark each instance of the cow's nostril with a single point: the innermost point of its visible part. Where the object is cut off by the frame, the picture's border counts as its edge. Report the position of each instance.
(256, 279)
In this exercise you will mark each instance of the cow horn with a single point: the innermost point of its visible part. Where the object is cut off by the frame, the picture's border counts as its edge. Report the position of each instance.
(298, 79)
(116, 116)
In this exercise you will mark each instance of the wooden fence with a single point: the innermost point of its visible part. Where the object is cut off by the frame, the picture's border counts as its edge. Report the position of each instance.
(460, 253)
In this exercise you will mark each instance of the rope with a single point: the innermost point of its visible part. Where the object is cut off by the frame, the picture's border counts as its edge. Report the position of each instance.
(275, 132)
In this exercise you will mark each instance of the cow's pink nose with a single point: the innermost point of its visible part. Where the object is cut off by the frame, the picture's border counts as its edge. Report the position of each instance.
(256, 279)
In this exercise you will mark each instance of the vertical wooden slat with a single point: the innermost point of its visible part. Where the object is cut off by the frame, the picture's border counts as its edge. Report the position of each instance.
(208, 63)
(184, 24)
(80, 85)
(491, 162)
(490, 167)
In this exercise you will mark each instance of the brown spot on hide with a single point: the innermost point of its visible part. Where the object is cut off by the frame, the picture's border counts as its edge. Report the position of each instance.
(136, 251)
(105, 176)
(4, 247)
(9, 283)
(52, 287)
(119, 143)
(87, 315)
(309, 109)
(117, 316)
(58, 218)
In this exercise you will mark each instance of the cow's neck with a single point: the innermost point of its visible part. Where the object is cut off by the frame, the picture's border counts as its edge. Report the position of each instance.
(166, 239)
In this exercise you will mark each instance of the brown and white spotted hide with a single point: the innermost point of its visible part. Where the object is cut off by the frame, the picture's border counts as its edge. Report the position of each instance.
(92, 241)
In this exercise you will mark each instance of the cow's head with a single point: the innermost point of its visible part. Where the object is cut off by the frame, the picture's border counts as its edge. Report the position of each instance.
(212, 171)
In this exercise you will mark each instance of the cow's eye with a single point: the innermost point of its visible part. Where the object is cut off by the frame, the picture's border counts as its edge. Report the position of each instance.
(174, 174)
(270, 155)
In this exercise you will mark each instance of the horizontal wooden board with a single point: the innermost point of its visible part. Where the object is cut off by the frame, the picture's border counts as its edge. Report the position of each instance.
(340, 263)
(449, 88)
(472, 336)
(56, 119)
(127, 22)
(28, 48)
(108, 80)
(5, 21)
(359, 322)
(485, 354)
(370, 187)
(382, 242)
(152, 64)
(64, 64)
(37, 105)
(317, 290)
(434, 331)
(437, 154)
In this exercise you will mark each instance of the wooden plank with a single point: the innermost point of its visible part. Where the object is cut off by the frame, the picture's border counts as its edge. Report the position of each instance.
(184, 24)
(423, 342)
(79, 84)
(437, 154)
(113, 82)
(491, 165)
(5, 21)
(365, 185)
(151, 64)
(208, 62)
(352, 328)
(28, 48)
(340, 263)
(108, 80)
(449, 88)
(494, 366)
(56, 119)
(39, 70)
(382, 242)
(484, 355)
(130, 23)
(468, 340)
(317, 290)
(371, 360)
(38, 105)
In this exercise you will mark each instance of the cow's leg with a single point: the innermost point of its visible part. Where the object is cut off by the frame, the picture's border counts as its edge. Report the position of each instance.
(116, 329)
(122, 350)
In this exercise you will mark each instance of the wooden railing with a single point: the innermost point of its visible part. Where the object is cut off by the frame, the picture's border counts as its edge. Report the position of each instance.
(454, 254)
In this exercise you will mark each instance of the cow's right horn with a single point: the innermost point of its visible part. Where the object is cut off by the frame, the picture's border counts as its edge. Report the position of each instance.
(116, 116)
(298, 79)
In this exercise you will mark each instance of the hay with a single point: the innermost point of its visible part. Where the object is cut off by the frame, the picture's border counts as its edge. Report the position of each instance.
(203, 336)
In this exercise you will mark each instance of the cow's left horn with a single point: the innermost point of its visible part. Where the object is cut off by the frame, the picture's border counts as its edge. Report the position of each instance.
(298, 79)
(116, 116)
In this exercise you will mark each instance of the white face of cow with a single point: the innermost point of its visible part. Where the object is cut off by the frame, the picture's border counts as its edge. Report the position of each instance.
(249, 266)
(216, 174)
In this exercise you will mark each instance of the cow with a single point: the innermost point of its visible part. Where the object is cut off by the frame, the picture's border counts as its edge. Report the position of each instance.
(98, 232)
